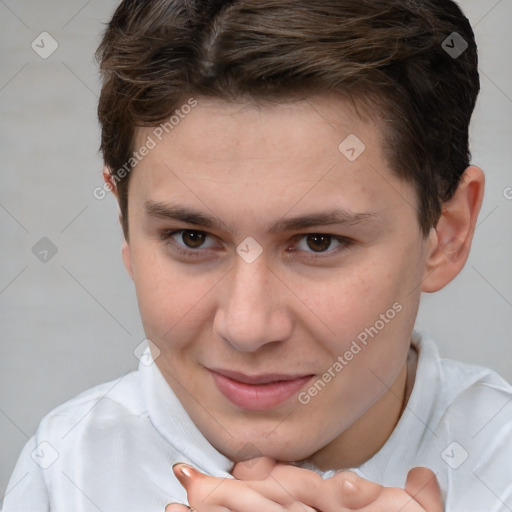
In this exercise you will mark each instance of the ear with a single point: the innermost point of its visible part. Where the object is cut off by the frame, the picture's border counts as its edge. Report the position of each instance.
(109, 181)
(449, 242)
(126, 253)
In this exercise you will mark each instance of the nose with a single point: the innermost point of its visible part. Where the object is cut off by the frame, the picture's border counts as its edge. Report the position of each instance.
(253, 314)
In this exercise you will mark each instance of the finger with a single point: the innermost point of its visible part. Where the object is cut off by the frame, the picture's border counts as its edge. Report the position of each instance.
(184, 473)
(211, 493)
(286, 483)
(344, 490)
(176, 507)
(422, 485)
(347, 489)
(255, 469)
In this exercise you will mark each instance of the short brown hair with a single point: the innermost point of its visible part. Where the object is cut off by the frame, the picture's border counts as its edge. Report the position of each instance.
(392, 54)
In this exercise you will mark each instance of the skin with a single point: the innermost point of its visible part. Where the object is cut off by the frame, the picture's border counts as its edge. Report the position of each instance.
(250, 166)
(270, 486)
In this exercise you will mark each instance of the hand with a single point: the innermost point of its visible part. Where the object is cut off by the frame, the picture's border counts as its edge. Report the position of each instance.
(346, 489)
(212, 494)
(280, 487)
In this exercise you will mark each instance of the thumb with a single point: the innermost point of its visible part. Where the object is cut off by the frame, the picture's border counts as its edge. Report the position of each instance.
(185, 474)
(254, 469)
(176, 507)
(422, 485)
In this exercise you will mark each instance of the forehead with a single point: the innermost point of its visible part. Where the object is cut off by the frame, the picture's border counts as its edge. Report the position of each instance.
(220, 131)
(301, 153)
(335, 108)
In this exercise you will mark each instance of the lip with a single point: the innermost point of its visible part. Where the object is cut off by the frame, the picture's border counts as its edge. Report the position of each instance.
(257, 392)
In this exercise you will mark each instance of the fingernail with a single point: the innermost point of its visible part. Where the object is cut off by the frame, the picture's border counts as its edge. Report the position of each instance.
(348, 486)
(182, 471)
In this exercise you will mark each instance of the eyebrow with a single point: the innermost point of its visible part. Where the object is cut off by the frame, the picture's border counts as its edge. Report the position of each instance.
(188, 215)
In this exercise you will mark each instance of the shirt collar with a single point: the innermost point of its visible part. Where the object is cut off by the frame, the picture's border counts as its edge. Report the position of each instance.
(174, 424)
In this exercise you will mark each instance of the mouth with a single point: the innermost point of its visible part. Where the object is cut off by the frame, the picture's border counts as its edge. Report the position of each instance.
(257, 392)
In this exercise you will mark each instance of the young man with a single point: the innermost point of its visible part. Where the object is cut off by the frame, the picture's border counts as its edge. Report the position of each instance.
(291, 177)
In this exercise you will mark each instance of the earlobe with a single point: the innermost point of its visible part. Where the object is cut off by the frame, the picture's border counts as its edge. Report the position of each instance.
(127, 258)
(450, 241)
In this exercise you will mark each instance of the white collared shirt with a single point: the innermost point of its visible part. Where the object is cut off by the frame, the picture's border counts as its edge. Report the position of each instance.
(112, 448)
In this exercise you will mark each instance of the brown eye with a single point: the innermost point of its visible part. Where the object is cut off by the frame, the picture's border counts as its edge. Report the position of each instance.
(319, 243)
(193, 239)
(190, 243)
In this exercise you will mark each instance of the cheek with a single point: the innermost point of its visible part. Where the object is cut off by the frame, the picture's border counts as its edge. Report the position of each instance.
(172, 300)
(362, 366)
(364, 316)
(336, 308)
(377, 318)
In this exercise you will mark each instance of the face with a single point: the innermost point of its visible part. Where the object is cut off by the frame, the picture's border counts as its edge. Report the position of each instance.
(277, 272)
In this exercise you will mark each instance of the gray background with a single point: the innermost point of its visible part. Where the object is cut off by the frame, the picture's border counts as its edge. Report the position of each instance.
(72, 322)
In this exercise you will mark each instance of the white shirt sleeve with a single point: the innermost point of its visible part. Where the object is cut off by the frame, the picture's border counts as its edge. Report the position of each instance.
(26, 490)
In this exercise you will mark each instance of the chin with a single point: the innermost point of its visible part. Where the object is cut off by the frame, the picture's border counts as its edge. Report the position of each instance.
(250, 449)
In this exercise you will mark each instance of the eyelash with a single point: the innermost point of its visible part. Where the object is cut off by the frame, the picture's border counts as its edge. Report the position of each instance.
(167, 237)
